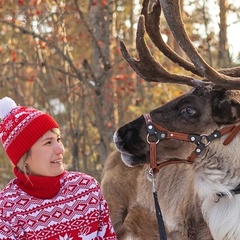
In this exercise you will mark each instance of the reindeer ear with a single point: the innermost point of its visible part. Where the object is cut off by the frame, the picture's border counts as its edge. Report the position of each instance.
(226, 108)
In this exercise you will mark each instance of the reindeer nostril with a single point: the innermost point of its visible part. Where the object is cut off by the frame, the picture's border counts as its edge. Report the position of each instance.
(128, 137)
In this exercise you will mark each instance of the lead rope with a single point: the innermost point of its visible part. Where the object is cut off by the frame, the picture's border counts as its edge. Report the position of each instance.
(161, 226)
(151, 178)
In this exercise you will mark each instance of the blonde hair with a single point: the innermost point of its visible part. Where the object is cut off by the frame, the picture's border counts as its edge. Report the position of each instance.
(22, 165)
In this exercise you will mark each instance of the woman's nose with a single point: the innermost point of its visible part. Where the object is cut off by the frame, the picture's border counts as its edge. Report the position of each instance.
(59, 148)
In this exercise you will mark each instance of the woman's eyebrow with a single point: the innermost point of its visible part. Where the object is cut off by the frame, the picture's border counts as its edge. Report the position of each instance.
(45, 139)
(50, 137)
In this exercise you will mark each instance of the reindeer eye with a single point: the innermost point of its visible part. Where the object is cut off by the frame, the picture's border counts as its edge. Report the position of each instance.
(188, 110)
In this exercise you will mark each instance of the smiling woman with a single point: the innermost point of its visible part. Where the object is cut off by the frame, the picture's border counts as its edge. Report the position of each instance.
(41, 158)
(49, 202)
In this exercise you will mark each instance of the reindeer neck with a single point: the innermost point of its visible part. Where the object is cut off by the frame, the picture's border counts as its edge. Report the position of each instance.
(218, 170)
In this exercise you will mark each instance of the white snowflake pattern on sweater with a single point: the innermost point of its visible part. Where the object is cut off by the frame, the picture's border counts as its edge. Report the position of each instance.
(65, 237)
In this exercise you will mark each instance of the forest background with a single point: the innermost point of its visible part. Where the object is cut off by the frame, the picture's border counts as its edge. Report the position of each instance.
(63, 57)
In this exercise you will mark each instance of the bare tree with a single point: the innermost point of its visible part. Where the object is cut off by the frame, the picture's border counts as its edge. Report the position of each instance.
(223, 57)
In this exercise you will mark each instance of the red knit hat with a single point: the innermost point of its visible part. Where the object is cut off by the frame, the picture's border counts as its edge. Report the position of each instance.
(21, 127)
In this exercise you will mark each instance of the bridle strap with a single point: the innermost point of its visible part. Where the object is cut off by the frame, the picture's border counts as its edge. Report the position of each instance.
(185, 137)
(163, 133)
(153, 157)
(175, 135)
(232, 135)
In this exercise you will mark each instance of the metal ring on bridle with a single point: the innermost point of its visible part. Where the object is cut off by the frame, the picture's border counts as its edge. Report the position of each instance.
(205, 137)
(147, 138)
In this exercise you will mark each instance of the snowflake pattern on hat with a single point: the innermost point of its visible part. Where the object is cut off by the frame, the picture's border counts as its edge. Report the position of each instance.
(19, 118)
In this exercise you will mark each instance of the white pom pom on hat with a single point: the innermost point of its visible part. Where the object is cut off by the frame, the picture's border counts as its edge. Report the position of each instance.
(21, 127)
(6, 106)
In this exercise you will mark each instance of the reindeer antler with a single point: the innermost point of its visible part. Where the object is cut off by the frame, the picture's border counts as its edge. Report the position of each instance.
(153, 30)
(150, 70)
(147, 68)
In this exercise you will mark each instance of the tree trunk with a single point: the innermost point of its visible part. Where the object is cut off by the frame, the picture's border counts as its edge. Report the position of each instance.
(100, 16)
(223, 55)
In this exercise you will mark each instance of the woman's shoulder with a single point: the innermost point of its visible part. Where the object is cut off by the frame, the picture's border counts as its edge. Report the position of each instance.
(80, 178)
(8, 197)
(10, 189)
(79, 184)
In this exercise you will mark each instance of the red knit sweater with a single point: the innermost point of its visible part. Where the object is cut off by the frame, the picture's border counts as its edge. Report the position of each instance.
(70, 206)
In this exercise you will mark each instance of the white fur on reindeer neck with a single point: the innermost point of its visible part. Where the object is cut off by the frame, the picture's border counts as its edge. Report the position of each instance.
(220, 174)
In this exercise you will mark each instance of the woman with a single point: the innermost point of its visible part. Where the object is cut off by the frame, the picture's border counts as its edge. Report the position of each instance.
(45, 201)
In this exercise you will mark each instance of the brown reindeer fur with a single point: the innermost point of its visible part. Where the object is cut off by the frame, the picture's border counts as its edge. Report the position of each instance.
(129, 196)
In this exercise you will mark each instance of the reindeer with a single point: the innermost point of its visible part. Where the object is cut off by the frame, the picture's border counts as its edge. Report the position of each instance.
(189, 146)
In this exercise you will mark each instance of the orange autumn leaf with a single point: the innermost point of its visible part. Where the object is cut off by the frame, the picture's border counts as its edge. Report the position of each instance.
(104, 3)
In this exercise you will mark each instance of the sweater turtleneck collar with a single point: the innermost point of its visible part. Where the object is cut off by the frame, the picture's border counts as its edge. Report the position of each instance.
(38, 186)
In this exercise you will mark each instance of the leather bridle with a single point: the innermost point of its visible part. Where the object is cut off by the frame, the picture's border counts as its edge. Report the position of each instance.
(158, 133)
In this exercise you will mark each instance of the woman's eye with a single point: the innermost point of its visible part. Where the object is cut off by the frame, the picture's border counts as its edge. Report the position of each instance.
(188, 110)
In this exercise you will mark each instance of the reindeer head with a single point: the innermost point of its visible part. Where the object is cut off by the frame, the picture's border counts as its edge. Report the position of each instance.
(213, 102)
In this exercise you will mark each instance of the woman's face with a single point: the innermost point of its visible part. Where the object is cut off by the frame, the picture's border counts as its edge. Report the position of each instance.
(46, 156)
